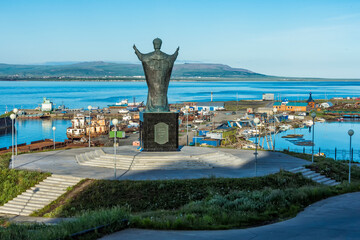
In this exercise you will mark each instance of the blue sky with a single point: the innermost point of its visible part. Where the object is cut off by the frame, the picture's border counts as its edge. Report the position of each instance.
(283, 38)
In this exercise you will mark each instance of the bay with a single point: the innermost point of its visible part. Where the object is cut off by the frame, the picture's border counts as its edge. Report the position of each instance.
(36, 129)
(328, 136)
(80, 94)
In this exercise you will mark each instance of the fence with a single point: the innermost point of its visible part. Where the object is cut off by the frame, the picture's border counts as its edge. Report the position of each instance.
(337, 154)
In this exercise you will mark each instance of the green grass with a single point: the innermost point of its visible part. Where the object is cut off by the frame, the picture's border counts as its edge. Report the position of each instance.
(208, 203)
(238, 209)
(6, 114)
(13, 182)
(213, 203)
(112, 218)
(337, 170)
(5, 160)
(142, 196)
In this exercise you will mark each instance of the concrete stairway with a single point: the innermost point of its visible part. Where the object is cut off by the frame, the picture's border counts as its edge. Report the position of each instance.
(142, 161)
(157, 161)
(39, 196)
(317, 177)
(221, 159)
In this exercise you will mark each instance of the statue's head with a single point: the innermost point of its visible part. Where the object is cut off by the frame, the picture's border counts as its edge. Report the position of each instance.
(157, 43)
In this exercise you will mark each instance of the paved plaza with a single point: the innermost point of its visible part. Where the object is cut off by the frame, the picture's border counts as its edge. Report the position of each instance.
(63, 162)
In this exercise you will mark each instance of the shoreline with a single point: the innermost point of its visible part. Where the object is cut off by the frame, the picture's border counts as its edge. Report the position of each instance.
(190, 80)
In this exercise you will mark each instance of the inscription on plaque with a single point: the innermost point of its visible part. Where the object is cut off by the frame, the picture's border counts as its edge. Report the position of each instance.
(161, 133)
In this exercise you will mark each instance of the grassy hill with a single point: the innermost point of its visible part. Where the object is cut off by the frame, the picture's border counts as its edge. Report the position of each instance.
(107, 69)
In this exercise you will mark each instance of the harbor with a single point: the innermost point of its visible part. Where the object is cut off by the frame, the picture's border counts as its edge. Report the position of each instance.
(202, 123)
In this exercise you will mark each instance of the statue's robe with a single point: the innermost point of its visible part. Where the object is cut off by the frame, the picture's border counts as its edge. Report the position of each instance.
(157, 67)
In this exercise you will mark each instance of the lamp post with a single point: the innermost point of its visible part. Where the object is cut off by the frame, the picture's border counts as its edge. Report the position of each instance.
(115, 122)
(187, 125)
(256, 121)
(313, 115)
(350, 132)
(12, 117)
(15, 110)
(89, 107)
(54, 128)
(274, 110)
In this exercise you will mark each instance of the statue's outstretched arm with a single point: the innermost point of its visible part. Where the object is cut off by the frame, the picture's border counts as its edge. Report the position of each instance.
(138, 53)
(176, 53)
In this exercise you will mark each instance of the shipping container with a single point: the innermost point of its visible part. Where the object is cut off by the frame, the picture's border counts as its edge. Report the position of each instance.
(211, 142)
(214, 135)
(119, 134)
(202, 132)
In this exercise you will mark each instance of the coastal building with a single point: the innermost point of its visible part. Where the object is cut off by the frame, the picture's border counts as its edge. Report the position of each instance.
(80, 127)
(210, 106)
(47, 105)
(285, 105)
(291, 106)
(268, 97)
(326, 105)
(311, 101)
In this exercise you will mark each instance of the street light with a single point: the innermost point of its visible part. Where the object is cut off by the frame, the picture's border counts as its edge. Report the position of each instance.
(89, 107)
(15, 110)
(274, 110)
(256, 121)
(115, 122)
(12, 117)
(313, 115)
(187, 125)
(54, 128)
(350, 132)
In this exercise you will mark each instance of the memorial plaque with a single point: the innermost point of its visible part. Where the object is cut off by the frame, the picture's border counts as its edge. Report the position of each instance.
(161, 133)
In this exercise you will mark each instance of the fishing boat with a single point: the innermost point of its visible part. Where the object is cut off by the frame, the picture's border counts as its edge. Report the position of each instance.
(80, 127)
(23, 115)
(284, 127)
(293, 136)
(309, 123)
(125, 104)
(320, 120)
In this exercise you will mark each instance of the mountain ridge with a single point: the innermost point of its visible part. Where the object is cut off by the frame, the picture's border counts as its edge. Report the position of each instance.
(110, 69)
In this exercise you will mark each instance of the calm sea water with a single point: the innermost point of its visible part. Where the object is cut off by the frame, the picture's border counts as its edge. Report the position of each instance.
(327, 137)
(82, 94)
(36, 129)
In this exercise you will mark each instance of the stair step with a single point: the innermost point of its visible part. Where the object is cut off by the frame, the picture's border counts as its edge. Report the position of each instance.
(328, 182)
(334, 184)
(67, 180)
(41, 195)
(51, 192)
(47, 188)
(22, 207)
(15, 212)
(15, 202)
(5, 208)
(32, 199)
(312, 175)
(60, 184)
(323, 180)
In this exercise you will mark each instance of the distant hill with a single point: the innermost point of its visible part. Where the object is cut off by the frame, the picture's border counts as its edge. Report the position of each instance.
(108, 69)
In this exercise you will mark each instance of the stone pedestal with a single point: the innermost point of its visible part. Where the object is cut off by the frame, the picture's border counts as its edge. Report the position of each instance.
(159, 131)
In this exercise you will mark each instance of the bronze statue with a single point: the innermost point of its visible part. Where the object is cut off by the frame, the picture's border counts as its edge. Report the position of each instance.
(157, 67)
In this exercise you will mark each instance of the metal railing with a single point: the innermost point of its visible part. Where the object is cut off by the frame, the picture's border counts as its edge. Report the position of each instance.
(337, 154)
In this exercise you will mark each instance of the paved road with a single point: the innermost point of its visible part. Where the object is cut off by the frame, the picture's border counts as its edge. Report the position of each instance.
(333, 218)
(63, 162)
